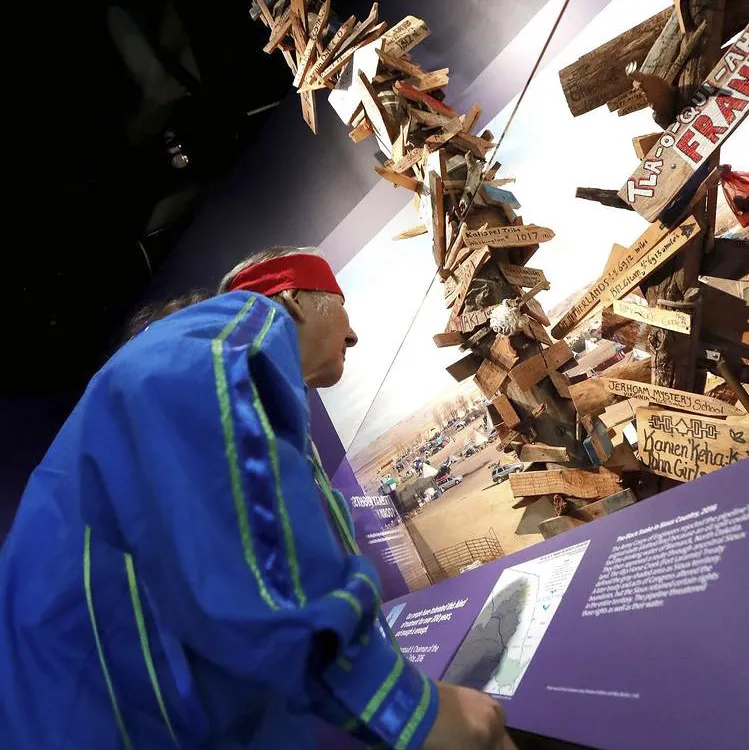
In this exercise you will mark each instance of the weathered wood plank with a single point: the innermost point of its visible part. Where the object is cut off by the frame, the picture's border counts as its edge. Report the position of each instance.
(489, 378)
(599, 76)
(465, 367)
(528, 373)
(540, 452)
(448, 338)
(592, 397)
(585, 483)
(507, 411)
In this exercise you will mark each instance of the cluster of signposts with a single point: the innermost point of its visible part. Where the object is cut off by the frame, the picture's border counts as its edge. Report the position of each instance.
(603, 437)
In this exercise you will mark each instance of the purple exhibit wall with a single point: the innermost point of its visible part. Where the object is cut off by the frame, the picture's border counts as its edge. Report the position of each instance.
(662, 663)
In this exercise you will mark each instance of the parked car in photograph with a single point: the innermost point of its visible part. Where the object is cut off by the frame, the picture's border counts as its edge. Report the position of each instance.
(470, 450)
(492, 436)
(450, 482)
(460, 426)
(500, 473)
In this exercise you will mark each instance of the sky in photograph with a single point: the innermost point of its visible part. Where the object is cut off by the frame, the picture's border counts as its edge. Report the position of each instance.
(394, 304)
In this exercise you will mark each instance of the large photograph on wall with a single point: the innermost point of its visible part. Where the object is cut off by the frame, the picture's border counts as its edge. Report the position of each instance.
(419, 430)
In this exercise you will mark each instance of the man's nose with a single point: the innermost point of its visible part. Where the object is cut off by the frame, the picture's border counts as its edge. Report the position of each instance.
(351, 338)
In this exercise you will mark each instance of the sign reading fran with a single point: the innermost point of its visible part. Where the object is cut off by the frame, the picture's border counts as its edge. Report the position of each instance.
(684, 447)
(716, 110)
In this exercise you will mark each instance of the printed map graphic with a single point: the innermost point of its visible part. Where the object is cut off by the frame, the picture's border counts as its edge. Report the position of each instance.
(512, 622)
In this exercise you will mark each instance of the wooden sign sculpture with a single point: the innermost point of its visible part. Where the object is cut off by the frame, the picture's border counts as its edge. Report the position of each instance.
(481, 247)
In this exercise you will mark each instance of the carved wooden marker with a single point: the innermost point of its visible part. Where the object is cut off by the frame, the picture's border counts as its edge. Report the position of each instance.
(303, 64)
(309, 109)
(437, 79)
(528, 373)
(466, 273)
(701, 128)
(671, 320)
(691, 402)
(649, 240)
(684, 447)
(521, 236)
(522, 275)
(590, 484)
(404, 36)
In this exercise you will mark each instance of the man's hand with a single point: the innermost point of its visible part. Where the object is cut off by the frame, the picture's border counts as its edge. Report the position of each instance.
(467, 720)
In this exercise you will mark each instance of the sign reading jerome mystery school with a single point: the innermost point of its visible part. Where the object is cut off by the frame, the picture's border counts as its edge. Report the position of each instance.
(684, 447)
(671, 397)
(716, 109)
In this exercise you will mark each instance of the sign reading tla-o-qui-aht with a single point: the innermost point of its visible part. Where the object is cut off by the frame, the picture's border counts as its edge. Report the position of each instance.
(716, 110)
(684, 447)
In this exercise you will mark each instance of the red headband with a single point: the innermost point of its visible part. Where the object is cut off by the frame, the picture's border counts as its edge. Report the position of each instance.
(306, 272)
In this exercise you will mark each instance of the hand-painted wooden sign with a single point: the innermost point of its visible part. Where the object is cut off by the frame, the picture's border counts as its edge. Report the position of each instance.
(330, 51)
(684, 447)
(591, 300)
(303, 63)
(404, 36)
(702, 127)
(522, 275)
(682, 400)
(671, 320)
(522, 236)
(466, 322)
(635, 273)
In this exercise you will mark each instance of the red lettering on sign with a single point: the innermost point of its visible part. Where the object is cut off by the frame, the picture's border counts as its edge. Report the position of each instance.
(688, 147)
(728, 105)
(741, 84)
(703, 124)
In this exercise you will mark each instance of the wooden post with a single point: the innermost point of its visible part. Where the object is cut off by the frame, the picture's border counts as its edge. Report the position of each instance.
(674, 355)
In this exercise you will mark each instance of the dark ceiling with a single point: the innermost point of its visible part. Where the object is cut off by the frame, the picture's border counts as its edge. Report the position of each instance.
(142, 106)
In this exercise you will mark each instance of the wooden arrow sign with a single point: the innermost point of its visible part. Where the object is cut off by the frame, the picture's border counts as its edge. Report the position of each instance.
(671, 320)
(682, 400)
(701, 128)
(522, 275)
(404, 36)
(684, 447)
(522, 236)
(591, 300)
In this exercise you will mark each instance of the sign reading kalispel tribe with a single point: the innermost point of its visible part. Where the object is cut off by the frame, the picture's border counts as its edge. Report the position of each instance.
(715, 111)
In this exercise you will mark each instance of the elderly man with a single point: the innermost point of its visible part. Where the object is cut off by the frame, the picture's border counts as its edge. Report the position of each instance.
(180, 572)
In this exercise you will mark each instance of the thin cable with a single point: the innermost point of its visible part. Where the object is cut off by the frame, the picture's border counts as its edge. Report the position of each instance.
(530, 78)
(392, 363)
(489, 163)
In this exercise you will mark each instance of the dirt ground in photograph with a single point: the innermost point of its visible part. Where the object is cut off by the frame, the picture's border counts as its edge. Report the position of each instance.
(470, 509)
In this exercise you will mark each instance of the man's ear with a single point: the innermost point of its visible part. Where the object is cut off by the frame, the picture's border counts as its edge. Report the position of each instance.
(289, 298)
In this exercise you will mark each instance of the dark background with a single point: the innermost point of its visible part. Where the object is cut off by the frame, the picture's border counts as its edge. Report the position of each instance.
(102, 221)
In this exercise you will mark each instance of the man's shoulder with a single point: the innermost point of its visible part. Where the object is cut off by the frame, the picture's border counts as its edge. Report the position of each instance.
(183, 345)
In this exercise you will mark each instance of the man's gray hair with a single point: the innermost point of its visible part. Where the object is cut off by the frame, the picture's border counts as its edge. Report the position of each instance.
(261, 257)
